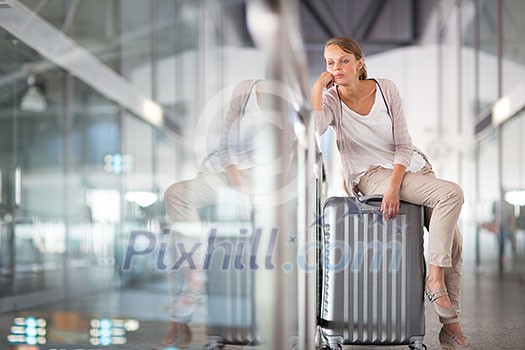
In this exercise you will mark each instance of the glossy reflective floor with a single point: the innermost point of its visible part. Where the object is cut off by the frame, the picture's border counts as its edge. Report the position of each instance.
(493, 318)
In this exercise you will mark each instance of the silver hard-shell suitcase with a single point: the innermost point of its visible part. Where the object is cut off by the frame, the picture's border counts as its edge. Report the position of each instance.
(373, 274)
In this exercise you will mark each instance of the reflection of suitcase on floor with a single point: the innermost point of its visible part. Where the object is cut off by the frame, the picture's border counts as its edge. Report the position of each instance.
(230, 292)
(373, 275)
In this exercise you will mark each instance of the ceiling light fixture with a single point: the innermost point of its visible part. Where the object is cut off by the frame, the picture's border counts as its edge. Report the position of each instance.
(34, 99)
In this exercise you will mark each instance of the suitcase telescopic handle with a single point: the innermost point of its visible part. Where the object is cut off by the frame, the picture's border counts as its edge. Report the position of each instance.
(371, 200)
(370, 203)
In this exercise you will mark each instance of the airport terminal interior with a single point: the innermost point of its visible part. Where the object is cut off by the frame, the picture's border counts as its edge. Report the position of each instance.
(112, 116)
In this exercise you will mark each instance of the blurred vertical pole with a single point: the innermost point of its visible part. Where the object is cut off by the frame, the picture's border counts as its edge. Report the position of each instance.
(459, 81)
(477, 110)
(68, 95)
(499, 132)
(308, 192)
(308, 276)
(263, 20)
(155, 84)
(477, 199)
(286, 310)
(307, 196)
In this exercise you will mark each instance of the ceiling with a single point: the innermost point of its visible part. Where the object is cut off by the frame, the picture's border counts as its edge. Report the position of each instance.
(378, 25)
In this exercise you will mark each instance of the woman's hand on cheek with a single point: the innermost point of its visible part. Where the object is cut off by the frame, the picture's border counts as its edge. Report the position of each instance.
(325, 80)
(390, 204)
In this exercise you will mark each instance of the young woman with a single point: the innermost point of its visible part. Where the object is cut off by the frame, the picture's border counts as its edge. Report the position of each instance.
(378, 158)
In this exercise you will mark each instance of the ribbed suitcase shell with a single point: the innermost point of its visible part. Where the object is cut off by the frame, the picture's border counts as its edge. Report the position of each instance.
(230, 294)
(373, 274)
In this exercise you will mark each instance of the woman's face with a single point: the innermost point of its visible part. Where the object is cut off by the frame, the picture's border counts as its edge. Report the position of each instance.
(341, 64)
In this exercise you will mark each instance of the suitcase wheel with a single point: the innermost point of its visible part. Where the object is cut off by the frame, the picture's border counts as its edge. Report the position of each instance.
(420, 346)
(332, 342)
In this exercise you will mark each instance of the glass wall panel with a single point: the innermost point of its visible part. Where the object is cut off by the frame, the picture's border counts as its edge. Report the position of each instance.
(468, 62)
(139, 193)
(32, 167)
(513, 206)
(166, 164)
(488, 200)
(488, 54)
(450, 125)
(513, 44)
(136, 48)
(467, 110)
(94, 182)
(86, 246)
(94, 26)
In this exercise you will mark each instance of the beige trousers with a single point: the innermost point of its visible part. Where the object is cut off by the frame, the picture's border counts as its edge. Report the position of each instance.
(183, 201)
(442, 201)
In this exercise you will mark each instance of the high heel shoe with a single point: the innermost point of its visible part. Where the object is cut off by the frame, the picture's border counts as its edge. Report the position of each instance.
(443, 312)
(449, 341)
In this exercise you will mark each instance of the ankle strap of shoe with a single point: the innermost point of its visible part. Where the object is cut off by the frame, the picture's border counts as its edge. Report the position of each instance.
(433, 296)
(457, 336)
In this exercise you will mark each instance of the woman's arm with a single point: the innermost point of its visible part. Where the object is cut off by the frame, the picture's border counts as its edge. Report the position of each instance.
(323, 114)
(324, 80)
(390, 204)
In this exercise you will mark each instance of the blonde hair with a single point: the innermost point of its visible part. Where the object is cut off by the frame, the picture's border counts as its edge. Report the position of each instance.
(349, 46)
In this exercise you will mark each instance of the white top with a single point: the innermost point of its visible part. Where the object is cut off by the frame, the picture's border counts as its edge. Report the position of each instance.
(371, 136)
